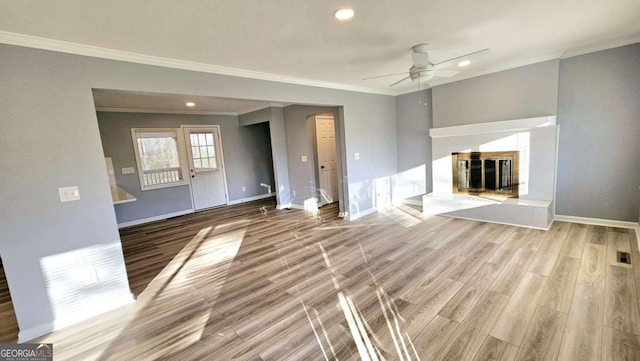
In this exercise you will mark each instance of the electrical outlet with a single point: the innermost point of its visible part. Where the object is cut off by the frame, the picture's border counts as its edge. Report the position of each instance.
(244, 189)
(128, 170)
(68, 194)
(304, 158)
(356, 156)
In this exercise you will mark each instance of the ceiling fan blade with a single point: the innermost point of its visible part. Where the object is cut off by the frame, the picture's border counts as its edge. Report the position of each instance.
(420, 59)
(399, 81)
(446, 63)
(384, 76)
(445, 73)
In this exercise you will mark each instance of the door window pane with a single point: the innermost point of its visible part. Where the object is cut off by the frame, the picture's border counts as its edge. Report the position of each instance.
(203, 151)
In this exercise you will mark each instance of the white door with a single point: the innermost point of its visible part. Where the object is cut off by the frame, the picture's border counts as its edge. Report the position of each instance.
(326, 155)
(206, 167)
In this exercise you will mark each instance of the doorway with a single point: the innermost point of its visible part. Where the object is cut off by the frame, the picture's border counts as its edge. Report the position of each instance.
(206, 166)
(327, 171)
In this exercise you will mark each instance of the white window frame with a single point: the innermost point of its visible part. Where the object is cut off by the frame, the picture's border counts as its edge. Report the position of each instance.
(182, 158)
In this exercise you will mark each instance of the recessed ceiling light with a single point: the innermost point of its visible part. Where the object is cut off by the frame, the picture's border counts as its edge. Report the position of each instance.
(343, 14)
(464, 63)
(190, 104)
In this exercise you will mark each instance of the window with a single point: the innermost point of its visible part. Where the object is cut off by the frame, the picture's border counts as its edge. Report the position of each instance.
(158, 158)
(203, 151)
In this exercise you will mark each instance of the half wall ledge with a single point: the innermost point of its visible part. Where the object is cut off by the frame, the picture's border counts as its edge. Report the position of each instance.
(511, 211)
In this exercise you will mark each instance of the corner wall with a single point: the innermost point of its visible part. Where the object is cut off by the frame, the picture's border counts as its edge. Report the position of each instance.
(599, 153)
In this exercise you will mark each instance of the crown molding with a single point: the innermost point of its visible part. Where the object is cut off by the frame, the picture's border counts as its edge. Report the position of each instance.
(37, 42)
(162, 111)
(601, 46)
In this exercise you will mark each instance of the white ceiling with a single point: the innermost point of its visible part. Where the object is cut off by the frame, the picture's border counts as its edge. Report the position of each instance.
(115, 100)
(301, 41)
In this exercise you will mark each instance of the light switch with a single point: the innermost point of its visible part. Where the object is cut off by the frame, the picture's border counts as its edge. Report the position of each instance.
(68, 194)
(356, 156)
(303, 158)
(128, 170)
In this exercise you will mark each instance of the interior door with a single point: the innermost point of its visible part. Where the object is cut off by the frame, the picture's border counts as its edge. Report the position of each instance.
(326, 155)
(206, 166)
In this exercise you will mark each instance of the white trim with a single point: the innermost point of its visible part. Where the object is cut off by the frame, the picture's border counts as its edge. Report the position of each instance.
(353, 217)
(297, 206)
(37, 42)
(283, 206)
(494, 127)
(413, 202)
(154, 218)
(599, 47)
(44, 328)
(596, 221)
(495, 222)
(160, 111)
(254, 198)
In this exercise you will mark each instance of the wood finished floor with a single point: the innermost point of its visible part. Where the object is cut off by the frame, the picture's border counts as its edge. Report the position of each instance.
(8, 323)
(249, 282)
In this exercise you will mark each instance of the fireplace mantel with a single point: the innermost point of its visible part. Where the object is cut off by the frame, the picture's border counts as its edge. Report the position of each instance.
(517, 125)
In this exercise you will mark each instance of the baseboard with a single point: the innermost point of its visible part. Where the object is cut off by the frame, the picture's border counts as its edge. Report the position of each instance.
(283, 206)
(254, 198)
(353, 217)
(596, 221)
(603, 222)
(154, 218)
(45, 328)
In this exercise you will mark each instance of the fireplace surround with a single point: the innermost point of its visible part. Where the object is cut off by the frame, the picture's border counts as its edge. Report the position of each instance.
(508, 171)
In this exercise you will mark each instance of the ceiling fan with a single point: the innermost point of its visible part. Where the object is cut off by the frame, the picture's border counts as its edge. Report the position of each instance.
(423, 69)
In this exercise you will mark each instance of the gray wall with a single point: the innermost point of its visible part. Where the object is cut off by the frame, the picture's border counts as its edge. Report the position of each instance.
(525, 92)
(301, 141)
(47, 101)
(274, 118)
(413, 121)
(247, 155)
(599, 117)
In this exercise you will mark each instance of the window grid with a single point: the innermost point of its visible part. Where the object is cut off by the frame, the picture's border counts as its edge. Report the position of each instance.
(203, 151)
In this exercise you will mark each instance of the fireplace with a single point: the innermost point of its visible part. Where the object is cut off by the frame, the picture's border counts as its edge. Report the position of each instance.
(486, 173)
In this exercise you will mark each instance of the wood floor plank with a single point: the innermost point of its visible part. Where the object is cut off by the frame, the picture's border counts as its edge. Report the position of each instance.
(471, 335)
(559, 289)
(621, 305)
(463, 302)
(593, 265)
(494, 349)
(513, 272)
(434, 337)
(512, 325)
(543, 263)
(574, 241)
(544, 336)
(618, 345)
(582, 340)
